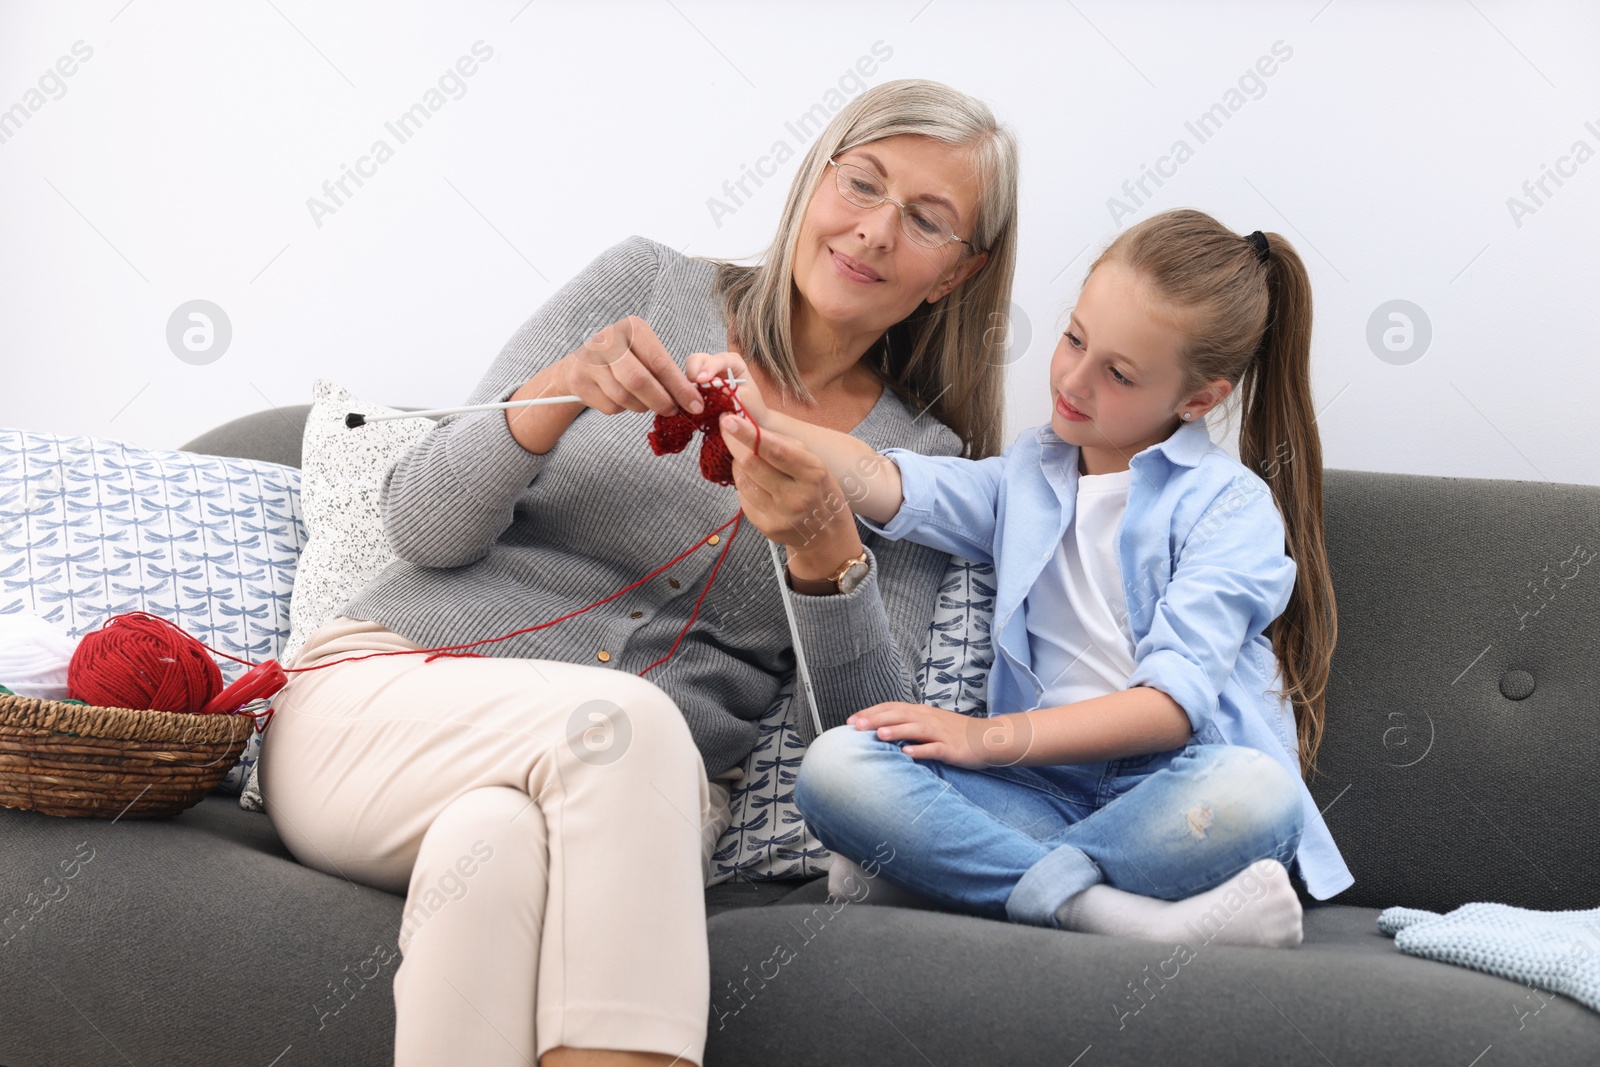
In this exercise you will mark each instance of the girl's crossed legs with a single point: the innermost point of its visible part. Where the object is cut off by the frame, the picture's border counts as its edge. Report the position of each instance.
(1007, 843)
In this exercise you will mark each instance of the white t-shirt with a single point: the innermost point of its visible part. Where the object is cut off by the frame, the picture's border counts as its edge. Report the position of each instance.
(1077, 616)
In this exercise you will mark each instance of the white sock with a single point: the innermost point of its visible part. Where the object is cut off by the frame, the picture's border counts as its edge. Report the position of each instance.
(1257, 907)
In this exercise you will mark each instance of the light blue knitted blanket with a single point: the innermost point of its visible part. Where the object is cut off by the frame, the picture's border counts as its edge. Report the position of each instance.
(1553, 951)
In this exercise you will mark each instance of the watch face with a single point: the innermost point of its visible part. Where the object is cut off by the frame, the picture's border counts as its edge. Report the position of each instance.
(853, 577)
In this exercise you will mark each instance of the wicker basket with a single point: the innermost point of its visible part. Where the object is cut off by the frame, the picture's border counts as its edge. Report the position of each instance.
(83, 760)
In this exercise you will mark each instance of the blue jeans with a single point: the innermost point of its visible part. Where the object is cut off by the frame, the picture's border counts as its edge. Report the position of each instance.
(1011, 843)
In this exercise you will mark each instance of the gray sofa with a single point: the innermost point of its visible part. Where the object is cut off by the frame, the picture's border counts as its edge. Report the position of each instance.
(1460, 764)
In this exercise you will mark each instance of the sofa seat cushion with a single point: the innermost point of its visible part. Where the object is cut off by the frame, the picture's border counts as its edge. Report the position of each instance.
(182, 940)
(800, 981)
(187, 940)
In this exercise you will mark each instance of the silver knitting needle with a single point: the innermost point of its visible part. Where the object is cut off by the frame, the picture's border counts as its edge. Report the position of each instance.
(355, 418)
(802, 673)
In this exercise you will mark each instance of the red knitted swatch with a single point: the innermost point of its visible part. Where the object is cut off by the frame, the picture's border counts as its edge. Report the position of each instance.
(672, 433)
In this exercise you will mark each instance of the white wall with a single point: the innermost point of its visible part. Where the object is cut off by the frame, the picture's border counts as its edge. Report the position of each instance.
(177, 164)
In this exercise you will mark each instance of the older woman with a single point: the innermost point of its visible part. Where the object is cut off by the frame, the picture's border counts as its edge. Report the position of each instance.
(549, 802)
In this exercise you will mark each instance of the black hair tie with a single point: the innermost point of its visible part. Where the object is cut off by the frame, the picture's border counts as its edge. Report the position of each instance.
(1258, 241)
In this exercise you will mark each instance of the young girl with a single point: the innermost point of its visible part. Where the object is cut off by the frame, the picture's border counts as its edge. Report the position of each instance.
(1139, 772)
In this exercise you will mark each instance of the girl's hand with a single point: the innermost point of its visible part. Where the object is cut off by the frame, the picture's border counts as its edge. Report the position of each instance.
(703, 366)
(959, 740)
(625, 367)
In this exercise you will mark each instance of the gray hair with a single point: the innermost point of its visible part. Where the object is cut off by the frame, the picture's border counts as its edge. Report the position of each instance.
(947, 357)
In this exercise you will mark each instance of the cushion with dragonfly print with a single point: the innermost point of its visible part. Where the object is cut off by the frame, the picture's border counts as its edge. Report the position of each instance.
(766, 838)
(91, 528)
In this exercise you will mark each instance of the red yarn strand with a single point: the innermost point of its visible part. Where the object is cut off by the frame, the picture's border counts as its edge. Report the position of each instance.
(709, 579)
(530, 629)
(113, 666)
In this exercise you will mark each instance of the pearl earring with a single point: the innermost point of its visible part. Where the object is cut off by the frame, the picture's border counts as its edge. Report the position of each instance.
(1188, 414)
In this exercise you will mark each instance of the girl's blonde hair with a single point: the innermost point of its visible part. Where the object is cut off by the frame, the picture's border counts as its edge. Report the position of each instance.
(1249, 323)
(947, 357)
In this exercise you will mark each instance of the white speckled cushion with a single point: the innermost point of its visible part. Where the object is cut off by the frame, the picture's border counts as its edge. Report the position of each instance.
(341, 471)
(767, 839)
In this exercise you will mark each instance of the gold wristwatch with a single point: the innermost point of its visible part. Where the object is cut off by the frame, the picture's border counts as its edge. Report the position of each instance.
(850, 574)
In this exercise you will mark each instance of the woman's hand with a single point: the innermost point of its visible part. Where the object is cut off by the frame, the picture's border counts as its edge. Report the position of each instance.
(625, 367)
(959, 740)
(703, 366)
(791, 496)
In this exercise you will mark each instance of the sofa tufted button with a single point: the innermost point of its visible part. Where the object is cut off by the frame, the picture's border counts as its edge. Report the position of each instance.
(1516, 685)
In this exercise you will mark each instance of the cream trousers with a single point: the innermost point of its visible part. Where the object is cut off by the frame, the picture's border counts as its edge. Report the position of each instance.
(550, 823)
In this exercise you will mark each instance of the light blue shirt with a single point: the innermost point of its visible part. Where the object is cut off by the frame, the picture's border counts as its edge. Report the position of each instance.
(1196, 617)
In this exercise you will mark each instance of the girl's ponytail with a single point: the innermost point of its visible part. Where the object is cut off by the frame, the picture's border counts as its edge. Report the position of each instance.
(1278, 439)
(1247, 318)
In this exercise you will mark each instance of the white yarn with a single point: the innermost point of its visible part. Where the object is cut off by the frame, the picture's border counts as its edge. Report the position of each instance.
(34, 657)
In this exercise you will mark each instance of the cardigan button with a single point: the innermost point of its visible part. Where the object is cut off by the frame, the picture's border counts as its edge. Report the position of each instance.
(635, 614)
(1516, 685)
(713, 539)
(603, 656)
(673, 582)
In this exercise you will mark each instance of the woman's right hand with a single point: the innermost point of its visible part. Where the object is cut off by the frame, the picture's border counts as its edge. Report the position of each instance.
(625, 367)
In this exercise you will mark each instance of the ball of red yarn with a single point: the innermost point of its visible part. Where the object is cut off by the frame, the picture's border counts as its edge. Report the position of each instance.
(140, 660)
(673, 432)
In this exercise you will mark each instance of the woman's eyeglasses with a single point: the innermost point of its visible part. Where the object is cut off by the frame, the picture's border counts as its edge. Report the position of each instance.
(921, 224)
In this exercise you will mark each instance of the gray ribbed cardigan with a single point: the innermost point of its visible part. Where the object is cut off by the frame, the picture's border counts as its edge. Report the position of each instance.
(493, 538)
